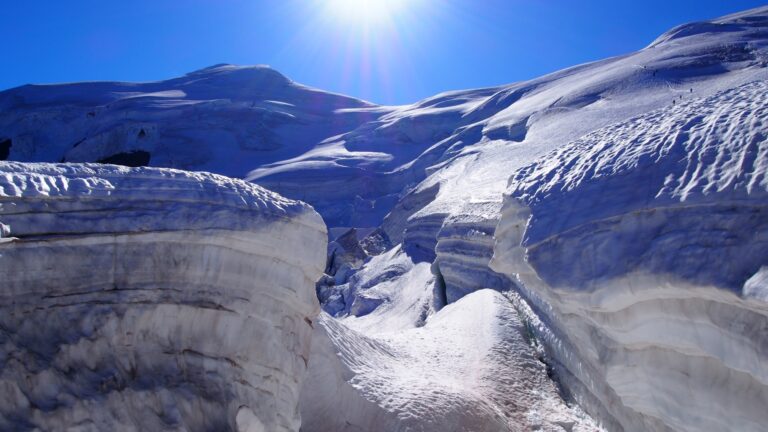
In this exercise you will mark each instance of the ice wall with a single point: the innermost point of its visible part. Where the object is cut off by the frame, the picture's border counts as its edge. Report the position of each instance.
(152, 299)
(643, 246)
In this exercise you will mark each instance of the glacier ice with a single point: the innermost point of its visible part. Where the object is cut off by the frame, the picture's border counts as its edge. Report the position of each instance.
(640, 247)
(643, 245)
(152, 299)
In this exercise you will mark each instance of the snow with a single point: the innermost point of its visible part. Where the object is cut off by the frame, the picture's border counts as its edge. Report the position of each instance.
(225, 119)
(152, 299)
(644, 245)
(351, 159)
(425, 378)
(706, 157)
(621, 205)
(637, 235)
(757, 286)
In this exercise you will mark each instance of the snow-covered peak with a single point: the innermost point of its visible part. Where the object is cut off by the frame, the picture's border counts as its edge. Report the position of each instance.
(352, 160)
(221, 81)
(225, 119)
(228, 67)
(750, 22)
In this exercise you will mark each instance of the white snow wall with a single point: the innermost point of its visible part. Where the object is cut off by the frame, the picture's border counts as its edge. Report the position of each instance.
(644, 248)
(152, 299)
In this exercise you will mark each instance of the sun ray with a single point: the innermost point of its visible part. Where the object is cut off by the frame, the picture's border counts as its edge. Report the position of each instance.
(369, 13)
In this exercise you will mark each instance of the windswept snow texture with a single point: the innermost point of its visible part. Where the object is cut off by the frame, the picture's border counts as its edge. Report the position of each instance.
(644, 245)
(148, 299)
(701, 167)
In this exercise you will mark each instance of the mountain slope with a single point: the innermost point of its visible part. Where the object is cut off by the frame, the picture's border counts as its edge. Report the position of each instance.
(224, 119)
(644, 245)
(352, 160)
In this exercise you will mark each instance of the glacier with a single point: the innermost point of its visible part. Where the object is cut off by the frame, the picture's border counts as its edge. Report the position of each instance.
(647, 241)
(151, 299)
(637, 238)
(586, 250)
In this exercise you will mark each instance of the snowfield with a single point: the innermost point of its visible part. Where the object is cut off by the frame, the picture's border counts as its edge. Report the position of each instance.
(586, 250)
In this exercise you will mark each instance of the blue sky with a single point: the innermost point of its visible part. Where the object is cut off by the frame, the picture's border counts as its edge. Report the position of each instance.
(423, 47)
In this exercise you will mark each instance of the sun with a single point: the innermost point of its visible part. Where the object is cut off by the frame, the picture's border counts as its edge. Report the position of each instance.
(365, 12)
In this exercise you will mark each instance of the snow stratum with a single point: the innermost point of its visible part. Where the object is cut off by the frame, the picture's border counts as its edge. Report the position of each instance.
(586, 250)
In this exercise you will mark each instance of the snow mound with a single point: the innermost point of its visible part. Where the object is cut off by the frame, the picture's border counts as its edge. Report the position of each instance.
(751, 20)
(152, 299)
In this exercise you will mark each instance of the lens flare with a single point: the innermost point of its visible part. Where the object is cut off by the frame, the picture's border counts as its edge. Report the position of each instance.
(365, 12)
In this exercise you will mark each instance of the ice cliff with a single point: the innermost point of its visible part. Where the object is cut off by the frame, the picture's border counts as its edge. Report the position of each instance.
(644, 246)
(152, 299)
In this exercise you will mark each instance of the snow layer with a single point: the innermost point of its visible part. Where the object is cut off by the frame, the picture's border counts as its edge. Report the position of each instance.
(148, 299)
(644, 245)
(464, 248)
